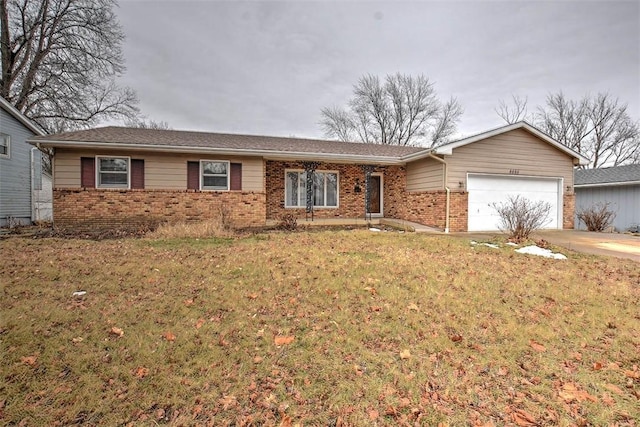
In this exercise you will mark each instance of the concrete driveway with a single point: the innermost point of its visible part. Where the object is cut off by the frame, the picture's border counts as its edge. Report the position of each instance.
(610, 244)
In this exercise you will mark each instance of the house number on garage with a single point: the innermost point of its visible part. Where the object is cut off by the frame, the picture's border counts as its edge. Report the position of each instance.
(514, 172)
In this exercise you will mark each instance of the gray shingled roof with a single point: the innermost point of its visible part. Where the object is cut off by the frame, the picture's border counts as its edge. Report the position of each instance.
(176, 138)
(618, 174)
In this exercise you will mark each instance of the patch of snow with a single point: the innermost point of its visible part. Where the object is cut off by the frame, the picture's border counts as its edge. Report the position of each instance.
(473, 243)
(79, 293)
(491, 245)
(511, 244)
(536, 250)
(374, 229)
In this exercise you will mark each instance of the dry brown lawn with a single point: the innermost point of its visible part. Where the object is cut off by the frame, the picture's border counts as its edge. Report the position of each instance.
(326, 328)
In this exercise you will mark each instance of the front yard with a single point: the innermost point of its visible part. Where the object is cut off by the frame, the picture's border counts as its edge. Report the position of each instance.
(315, 328)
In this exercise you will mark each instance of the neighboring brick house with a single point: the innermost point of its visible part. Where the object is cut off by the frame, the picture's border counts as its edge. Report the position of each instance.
(115, 176)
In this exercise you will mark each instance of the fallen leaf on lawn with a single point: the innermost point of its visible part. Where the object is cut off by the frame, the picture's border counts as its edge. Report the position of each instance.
(169, 336)
(537, 346)
(376, 308)
(29, 360)
(283, 339)
(76, 340)
(257, 359)
(227, 401)
(597, 366)
(260, 333)
(252, 296)
(522, 418)
(570, 392)
(286, 421)
(405, 354)
(116, 331)
(141, 372)
(199, 323)
(413, 307)
(607, 400)
(503, 371)
(373, 414)
(456, 337)
(614, 388)
(188, 302)
(632, 374)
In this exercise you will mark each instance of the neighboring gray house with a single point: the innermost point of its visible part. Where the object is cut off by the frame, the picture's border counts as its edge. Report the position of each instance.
(23, 185)
(619, 186)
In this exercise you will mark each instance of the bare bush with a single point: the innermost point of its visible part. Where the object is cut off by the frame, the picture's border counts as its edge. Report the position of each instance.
(520, 216)
(597, 217)
(288, 222)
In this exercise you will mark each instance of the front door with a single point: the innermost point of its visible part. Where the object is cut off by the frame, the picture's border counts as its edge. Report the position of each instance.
(375, 200)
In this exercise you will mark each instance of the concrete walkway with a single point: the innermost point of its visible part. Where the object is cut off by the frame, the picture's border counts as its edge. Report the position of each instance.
(361, 222)
(609, 244)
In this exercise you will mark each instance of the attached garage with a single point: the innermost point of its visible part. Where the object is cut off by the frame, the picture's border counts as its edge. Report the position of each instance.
(487, 190)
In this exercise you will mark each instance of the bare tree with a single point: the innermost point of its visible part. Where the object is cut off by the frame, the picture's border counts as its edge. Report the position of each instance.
(402, 110)
(60, 60)
(515, 112)
(144, 123)
(599, 127)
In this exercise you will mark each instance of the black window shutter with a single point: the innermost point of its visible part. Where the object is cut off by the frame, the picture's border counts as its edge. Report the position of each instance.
(236, 176)
(87, 172)
(193, 175)
(137, 173)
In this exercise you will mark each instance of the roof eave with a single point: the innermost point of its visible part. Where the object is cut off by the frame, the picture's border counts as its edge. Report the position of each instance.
(607, 184)
(20, 117)
(267, 154)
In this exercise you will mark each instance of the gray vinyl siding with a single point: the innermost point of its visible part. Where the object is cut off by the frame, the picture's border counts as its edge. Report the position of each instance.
(15, 172)
(515, 152)
(624, 200)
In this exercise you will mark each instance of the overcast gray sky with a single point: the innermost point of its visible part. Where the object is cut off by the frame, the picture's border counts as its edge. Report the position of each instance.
(267, 67)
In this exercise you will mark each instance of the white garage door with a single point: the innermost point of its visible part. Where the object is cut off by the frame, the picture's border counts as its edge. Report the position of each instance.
(485, 190)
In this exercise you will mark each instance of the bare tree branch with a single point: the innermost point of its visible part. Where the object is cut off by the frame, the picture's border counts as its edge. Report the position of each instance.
(61, 60)
(516, 112)
(599, 127)
(404, 110)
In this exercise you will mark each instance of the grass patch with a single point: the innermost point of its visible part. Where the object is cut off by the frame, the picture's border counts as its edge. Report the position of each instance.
(382, 328)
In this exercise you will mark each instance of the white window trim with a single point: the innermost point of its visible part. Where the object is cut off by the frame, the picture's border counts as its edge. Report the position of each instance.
(7, 138)
(286, 202)
(202, 175)
(115, 187)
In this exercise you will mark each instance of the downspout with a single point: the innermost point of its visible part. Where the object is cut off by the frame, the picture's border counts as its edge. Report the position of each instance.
(448, 203)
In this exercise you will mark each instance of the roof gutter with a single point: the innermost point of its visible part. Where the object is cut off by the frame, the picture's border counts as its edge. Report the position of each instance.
(267, 154)
(445, 177)
(607, 184)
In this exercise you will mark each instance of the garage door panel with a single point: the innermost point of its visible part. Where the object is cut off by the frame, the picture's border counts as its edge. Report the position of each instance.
(487, 190)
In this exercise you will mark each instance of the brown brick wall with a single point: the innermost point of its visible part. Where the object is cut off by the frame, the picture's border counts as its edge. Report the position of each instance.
(427, 207)
(430, 207)
(568, 211)
(87, 208)
(350, 203)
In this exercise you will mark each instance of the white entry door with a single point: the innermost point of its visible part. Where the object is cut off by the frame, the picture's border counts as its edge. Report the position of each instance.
(485, 190)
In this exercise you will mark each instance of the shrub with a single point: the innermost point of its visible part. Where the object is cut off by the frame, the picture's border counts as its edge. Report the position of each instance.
(520, 216)
(597, 217)
(288, 222)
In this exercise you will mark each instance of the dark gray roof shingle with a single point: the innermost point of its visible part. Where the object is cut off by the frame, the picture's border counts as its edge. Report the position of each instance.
(177, 138)
(618, 174)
